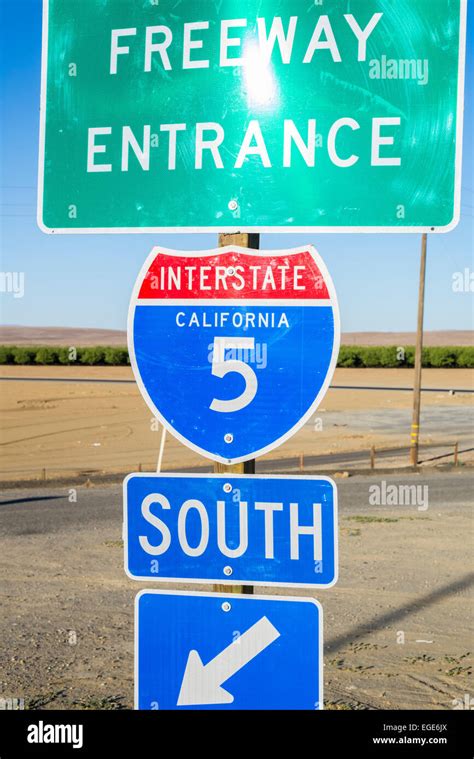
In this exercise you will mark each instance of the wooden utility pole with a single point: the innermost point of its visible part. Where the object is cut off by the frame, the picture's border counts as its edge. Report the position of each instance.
(247, 467)
(415, 427)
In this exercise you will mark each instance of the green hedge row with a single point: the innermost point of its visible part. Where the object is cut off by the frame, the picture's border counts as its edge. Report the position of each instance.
(349, 356)
(45, 355)
(391, 356)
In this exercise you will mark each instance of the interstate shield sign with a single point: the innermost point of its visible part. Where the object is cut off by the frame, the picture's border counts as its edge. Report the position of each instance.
(233, 349)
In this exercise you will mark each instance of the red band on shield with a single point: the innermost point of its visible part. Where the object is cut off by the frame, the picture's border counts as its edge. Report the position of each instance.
(233, 276)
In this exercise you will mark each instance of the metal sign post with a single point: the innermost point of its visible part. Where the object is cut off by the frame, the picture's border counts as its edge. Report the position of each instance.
(246, 467)
(415, 427)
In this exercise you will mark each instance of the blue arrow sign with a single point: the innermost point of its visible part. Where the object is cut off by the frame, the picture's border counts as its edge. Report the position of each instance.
(233, 349)
(260, 530)
(217, 651)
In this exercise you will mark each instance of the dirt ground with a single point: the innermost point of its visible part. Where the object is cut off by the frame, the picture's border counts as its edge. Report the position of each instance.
(65, 428)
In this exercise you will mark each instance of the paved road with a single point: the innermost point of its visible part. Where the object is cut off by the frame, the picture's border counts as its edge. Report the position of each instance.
(24, 512)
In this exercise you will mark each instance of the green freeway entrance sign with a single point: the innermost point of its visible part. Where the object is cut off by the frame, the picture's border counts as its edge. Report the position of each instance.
(251, 115)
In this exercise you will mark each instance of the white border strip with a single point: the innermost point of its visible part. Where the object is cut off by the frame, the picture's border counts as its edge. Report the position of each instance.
(234, 580)
(230, 597)
(235, 229)
(242, 302)
(158, 250)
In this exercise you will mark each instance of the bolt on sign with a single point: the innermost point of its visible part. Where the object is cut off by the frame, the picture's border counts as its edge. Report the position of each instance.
(269, 115)
(233, 349)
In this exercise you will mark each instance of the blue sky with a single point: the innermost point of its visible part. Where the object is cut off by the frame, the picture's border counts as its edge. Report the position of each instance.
(86, 280)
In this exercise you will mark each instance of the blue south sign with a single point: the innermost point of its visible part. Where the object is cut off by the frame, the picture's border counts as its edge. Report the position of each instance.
(227, 529)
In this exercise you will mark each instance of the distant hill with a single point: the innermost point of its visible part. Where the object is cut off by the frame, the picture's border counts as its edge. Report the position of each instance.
(69, 336)
(438, 337)
(16, 335)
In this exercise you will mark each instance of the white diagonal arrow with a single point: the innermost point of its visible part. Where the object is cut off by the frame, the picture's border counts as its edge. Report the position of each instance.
(202, 683)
